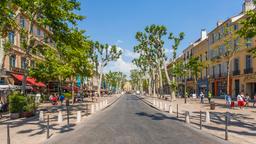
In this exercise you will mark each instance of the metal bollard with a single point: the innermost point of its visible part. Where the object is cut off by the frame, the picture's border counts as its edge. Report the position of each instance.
(48, 127)
(177, 110)
(8, 134)
(226, 125)
(200, 119)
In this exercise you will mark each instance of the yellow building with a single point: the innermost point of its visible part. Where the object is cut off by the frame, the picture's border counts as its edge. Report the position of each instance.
(241, 64)
(13, 62)
(212, 50)
(197, 49)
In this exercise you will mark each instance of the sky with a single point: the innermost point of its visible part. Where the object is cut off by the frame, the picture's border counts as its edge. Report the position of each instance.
(117, 21)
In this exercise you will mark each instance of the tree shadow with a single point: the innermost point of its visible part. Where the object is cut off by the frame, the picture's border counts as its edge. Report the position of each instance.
(236, 120)
(157, 116)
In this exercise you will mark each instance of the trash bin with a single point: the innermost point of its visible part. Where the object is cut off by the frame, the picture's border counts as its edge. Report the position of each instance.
(212, 105)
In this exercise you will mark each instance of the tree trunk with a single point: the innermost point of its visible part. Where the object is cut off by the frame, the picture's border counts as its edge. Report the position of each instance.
(72, 91)
(99, 84)
(228, 77)
(149, 86)
(160, 80)
(167, 77)
(173, 88)
(24, 80)
(154, 84)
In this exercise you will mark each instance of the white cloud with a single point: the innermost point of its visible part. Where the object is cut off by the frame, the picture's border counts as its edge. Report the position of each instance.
(122, 65)
(119, 41)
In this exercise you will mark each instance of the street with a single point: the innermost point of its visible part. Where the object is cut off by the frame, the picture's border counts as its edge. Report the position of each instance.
(131, 121)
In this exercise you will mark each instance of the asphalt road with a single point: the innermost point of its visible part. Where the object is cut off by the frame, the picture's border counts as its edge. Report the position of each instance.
(131, 121)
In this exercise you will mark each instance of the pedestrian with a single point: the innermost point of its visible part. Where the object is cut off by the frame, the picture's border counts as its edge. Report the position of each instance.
(228, 100)
(254, 100)
(209, 96)
(61, 98)
(240, 101)
(247, 100)
(202, 97)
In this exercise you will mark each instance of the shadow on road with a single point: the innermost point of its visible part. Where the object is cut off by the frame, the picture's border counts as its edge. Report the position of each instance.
(157, 116)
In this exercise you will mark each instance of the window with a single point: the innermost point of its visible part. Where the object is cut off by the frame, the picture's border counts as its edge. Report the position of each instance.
(38, 32)
(206, 56)
(22, 40)
(236, 64)
(235, 26)
(23, 62)
(213, 71)
(22, 22)
(32, 63)
(236, 44)
(219, 69)
(11, 37)
(12, 61)
(248, 42)
(248, 62)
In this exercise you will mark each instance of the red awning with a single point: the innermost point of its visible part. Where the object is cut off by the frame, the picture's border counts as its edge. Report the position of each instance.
(31, 81)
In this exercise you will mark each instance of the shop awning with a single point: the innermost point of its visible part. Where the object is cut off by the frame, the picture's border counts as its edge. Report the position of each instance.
(31, 81)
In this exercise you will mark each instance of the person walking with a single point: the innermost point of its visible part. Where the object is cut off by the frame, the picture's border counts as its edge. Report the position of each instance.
(202, 97)
(254, 100)
(61, 98)
(247, 100)
(228, 100)
(209, 96)
(240, 101)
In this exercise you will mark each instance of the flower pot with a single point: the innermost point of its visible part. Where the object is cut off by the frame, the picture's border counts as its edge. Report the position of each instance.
(26, 114)
(14, 115)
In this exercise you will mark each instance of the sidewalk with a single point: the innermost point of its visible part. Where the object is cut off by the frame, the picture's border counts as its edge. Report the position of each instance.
(242, 126)
(31, 130)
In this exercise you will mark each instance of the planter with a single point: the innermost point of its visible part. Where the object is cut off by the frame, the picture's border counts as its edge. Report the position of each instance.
(27, 114)
(15, 115)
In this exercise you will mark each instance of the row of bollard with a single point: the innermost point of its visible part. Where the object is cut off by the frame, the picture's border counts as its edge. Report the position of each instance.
(168, 108)
(94, 108)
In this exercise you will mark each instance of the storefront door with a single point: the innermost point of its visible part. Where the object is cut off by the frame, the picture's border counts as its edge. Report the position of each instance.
(237, 87)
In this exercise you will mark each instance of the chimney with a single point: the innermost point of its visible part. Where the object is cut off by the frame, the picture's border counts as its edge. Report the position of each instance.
(203, 34)
(248, 5)
(219, 23)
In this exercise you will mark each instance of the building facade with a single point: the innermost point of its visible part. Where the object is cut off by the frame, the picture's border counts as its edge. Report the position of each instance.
(213, 49)
(13, 60)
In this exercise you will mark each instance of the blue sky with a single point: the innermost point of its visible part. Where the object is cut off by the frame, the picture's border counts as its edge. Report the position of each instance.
(117, 21)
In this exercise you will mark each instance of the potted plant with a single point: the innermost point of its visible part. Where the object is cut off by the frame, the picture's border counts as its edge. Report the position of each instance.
(29, 108)
(16, 103)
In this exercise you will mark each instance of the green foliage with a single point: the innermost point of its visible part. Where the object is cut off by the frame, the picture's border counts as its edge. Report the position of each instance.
(17, 102)
(30, 104)
(195, 66)
(115, 79)
(56, 15)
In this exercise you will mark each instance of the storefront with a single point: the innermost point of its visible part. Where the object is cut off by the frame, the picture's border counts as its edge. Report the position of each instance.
(250, 85)
(202, 86)
(219, 87)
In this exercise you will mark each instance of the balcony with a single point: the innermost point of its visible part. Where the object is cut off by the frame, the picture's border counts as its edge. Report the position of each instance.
(236, 72)
(248, 70)
(17, 70)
